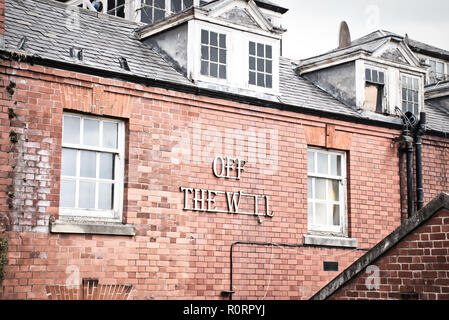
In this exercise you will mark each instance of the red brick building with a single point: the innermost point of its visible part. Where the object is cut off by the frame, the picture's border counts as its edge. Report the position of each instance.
(141, 157)
(409, 264)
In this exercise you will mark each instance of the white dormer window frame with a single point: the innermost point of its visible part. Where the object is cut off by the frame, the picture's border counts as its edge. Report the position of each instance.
(377, 76)
(213, 54)
(438, 71)
(410, 93)
(260, 64)
(237, 63)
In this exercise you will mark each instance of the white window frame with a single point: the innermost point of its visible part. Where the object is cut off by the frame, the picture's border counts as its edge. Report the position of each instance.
(385, 84)
(340, 230)
(255, 56)
(209, 31)
(413, 77)
(445, 74)
(237, 75)
(116, 213)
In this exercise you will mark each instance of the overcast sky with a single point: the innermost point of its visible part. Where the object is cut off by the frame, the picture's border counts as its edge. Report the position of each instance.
(313, 25)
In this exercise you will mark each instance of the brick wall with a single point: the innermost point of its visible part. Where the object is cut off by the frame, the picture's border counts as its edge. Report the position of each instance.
(172, 138)
(2, 16)
(416, 268)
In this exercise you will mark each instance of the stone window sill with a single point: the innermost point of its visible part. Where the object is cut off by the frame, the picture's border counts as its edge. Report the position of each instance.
(108, 228)
(330, 241)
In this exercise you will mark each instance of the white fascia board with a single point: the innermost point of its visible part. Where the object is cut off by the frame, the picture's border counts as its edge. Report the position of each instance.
(199, 14)
(324, 64)
(413, 69)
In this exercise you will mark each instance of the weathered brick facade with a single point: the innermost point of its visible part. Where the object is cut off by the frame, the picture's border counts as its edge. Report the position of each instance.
(171, 140)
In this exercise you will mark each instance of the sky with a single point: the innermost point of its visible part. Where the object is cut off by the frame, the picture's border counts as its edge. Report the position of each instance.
(313, 25)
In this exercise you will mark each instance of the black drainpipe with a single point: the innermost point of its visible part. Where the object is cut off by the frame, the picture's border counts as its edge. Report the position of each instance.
(421, 130)
(407, 143)
(410, 198)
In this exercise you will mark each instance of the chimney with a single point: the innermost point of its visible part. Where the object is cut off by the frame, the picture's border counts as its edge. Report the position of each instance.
(344, 38)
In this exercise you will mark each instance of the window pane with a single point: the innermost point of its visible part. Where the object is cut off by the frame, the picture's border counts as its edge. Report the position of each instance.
(269, 81)
(107, 166)
(336, 215)
(375, 79)
(205, 52)
(214, 39)
(204, 37)
(68, 162)
(404, 94)
(213, 54)
(222, 72)
(222, 56)
(320, 188)
(121, 12)
(105, 199)
(146, 15)
(322, 163)
(222, 41)
(335, 165)
(188, 3)
(159, 4)
(268, 66)
(252, 77)
(67, 193)
(368, 74)
(268, 53)
(252, 48)
(71, 130)
(252, 63)
(91, 129)
(415, 84)
(260, 80)
(381, 77)
(204, 68)
(260, 65)
(260, 50)
(158, 15)
(110, 134)
(311, 161)
(175, 5)
(433, 66)
(440, 67)
(87, 195)
(88, 164)
(214, 70)
(334, 190)
(320, 214)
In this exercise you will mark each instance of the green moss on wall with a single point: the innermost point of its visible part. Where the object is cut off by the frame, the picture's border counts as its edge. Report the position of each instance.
(3, 252)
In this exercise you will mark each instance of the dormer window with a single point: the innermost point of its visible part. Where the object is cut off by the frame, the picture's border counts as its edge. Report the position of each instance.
(213, 54)
(260, 65)
(152, 11)
(179, 5)
(438, 71)
(116, 8)
(374, 89)
(410, 94)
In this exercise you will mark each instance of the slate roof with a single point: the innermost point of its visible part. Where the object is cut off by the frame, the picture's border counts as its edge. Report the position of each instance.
(50, 29)
(374, 40)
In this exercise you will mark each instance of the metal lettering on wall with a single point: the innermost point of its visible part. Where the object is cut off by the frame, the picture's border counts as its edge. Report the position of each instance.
(205, 200)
